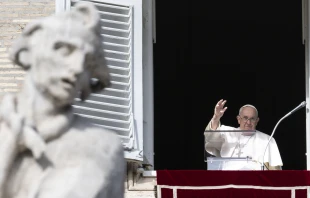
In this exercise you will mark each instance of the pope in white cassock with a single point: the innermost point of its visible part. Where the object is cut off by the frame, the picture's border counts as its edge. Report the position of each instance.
(241, 145)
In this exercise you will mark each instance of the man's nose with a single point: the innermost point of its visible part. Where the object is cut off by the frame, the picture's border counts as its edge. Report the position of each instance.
(248, 121)
(77, 68)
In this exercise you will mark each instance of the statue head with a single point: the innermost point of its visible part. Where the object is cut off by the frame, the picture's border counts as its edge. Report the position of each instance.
(63, 54)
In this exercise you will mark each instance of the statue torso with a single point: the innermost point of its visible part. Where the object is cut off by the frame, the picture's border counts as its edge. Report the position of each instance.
(80, 163)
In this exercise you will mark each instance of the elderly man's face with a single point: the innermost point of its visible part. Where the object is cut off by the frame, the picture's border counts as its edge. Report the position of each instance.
(248, 119)
(60, 65)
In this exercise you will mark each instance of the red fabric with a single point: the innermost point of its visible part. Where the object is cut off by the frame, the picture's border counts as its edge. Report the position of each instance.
(281, 178)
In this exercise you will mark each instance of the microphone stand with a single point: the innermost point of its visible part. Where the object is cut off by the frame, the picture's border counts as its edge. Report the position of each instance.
(288, 114)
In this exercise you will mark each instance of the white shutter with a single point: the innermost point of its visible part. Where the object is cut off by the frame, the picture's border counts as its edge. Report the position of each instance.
(119, 107)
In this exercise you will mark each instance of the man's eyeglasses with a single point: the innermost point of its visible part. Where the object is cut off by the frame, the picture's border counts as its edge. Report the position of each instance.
(245, 119)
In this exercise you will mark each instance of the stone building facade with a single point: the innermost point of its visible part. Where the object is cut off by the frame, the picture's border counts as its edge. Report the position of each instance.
(14, 15)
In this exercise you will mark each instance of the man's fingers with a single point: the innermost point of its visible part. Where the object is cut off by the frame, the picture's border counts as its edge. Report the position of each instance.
(222, 111)
(219, 107)
(219, 102)
(223, 103)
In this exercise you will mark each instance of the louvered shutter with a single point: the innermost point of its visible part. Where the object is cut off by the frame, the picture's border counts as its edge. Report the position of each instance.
(119, 107)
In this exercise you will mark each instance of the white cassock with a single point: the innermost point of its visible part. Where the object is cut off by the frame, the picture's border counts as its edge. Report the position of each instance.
(236, 145)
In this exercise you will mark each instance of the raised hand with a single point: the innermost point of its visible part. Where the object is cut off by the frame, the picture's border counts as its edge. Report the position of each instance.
(219, 110)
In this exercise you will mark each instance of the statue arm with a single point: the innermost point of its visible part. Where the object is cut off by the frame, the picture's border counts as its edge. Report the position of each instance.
(10, 127)
(8, 152)
(14, 138)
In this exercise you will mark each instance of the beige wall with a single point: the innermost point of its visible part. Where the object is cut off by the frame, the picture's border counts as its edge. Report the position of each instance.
(14, 15)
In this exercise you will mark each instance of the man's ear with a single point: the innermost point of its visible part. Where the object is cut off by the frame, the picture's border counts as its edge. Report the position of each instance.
(20, 52)
(238, 118)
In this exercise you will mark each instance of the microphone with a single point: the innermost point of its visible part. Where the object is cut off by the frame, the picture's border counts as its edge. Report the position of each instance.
(303, 104)
(297, 108)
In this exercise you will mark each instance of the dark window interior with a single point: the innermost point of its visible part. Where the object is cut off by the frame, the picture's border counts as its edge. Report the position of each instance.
(247, 52)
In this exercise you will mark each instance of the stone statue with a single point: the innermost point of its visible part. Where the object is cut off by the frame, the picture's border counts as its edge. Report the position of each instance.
(45, 150)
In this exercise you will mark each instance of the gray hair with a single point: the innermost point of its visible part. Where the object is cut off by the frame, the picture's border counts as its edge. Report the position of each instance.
(248, 105)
